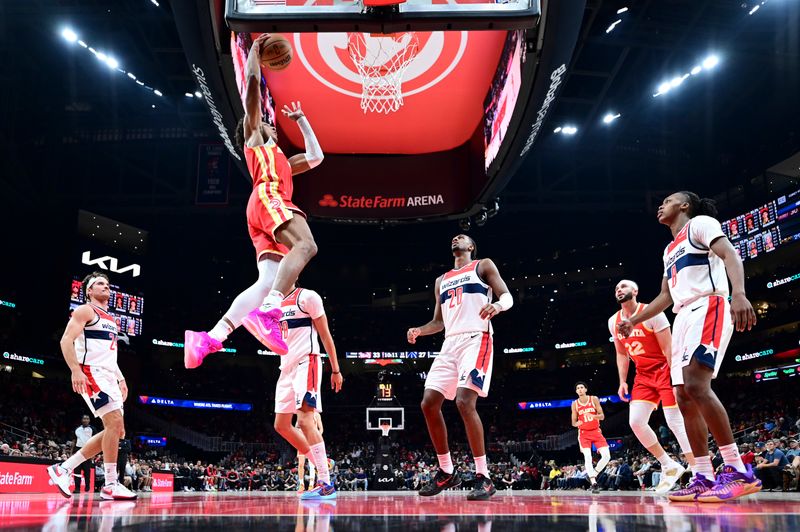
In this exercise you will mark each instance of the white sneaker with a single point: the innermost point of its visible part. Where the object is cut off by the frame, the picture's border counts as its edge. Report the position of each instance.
(669, 478)
(60, 477)
(117, 492)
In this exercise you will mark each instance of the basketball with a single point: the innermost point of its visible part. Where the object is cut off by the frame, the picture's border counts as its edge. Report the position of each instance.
(276, 53)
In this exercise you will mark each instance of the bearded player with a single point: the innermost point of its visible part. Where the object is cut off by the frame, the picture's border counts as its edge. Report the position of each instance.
(89, 345)
(463, 368)
(586, 417)
(278, 228)
(697, 266)
(650, 348)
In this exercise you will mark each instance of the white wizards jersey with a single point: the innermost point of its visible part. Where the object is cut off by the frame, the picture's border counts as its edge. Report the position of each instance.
(300, 308)
(462, 295)
(691, 268)
(97, 344)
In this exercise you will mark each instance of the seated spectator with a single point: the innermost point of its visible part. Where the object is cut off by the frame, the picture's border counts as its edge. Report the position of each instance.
(770, 469)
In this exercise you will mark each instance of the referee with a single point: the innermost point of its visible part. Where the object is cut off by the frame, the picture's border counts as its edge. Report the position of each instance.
(82, 435)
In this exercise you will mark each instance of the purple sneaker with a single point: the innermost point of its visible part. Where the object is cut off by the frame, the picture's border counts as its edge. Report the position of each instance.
(731, 484)
(698, 485)
(266, 328)
(196, 346)
(320, 491)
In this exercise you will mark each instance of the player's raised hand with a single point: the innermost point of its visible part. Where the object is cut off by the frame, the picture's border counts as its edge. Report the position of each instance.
(412, 334)
(336, 382)
(258, 41)
(294, 112)
(623, 391)
(79, 381)
(625, 327)
(744, 317)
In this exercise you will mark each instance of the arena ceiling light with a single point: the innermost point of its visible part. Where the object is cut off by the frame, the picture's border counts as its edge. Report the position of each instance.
(71, 36)
(610, 117)
(708, 63)
(566, 130)
(755, 7)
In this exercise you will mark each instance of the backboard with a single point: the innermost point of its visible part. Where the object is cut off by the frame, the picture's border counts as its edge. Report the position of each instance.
(356, 15)
(378, 415)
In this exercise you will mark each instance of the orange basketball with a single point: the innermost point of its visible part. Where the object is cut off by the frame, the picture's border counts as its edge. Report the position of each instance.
(276, 53)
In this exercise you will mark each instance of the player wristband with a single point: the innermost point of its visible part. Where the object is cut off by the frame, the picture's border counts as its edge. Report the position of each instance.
(336, 372)
(505, 301)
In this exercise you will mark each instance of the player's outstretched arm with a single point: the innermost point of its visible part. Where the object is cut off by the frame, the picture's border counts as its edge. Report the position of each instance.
(744, 317)
(324, 331)
(252, 94)
(432, 327)
(313, 156)
(661, 302)
(80, 317)
(487, 270)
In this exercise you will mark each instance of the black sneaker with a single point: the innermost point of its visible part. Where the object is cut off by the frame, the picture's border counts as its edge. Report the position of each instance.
(440, 482)
(482, 490)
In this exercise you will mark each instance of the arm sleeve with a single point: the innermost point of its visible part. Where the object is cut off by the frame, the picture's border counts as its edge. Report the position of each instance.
(704, 230)
(611, 326)
(312, 304)
(658, 323)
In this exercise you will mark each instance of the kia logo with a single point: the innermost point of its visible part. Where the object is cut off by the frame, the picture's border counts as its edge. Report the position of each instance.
(328, 201)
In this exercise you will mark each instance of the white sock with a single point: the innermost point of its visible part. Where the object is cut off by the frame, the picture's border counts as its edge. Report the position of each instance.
(321, 459)
(703, 466)
(74, 461)
(220, 331)
(272, 300)
(480, 466)
(730, 455)
(445, 463)
(666, 462)
(111, 473)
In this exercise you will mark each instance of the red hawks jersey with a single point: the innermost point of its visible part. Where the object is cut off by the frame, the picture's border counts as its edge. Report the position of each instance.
(642, 345)
(691, 268)
(300, 308)
(584, 412)
(268, 164)
(462, 295)
(97, 344)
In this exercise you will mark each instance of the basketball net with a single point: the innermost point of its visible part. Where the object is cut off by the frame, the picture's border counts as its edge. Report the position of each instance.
(385, 428)
(381, 61)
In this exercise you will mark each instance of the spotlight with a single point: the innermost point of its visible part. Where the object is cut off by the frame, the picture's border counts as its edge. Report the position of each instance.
(198, 94)
(674, 82)
(710, 62)
(111, 62)
(610, 117)
(664, 87)
(613, 25)
(696, 70)
(569, 130)
(621, 10)
(480, 218)
(69, 35)
(557, 130)
(189, 95)
(157, 92)
(465, 224)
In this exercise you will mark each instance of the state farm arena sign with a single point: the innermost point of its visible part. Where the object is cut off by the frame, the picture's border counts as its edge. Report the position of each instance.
(27, 477)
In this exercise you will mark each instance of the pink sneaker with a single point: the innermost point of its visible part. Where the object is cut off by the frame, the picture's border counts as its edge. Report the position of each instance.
(265, 327)
(197, 346)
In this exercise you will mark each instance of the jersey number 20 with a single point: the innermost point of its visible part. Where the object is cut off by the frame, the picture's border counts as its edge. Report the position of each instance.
(455, 296)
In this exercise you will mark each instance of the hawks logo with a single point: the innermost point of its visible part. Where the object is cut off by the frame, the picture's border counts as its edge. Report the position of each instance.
(326, 57)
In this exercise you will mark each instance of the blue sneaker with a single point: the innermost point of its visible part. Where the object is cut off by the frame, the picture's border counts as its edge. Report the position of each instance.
(320, 491)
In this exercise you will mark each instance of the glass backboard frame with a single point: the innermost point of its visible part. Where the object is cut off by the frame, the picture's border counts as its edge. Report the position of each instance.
(412, 15)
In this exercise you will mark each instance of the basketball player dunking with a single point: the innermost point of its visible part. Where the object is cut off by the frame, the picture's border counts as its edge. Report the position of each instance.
(89, 345)
(697, 265)
(278, 228)
(586, 416)
(650, 348)
(463, 369)
(298, 390)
